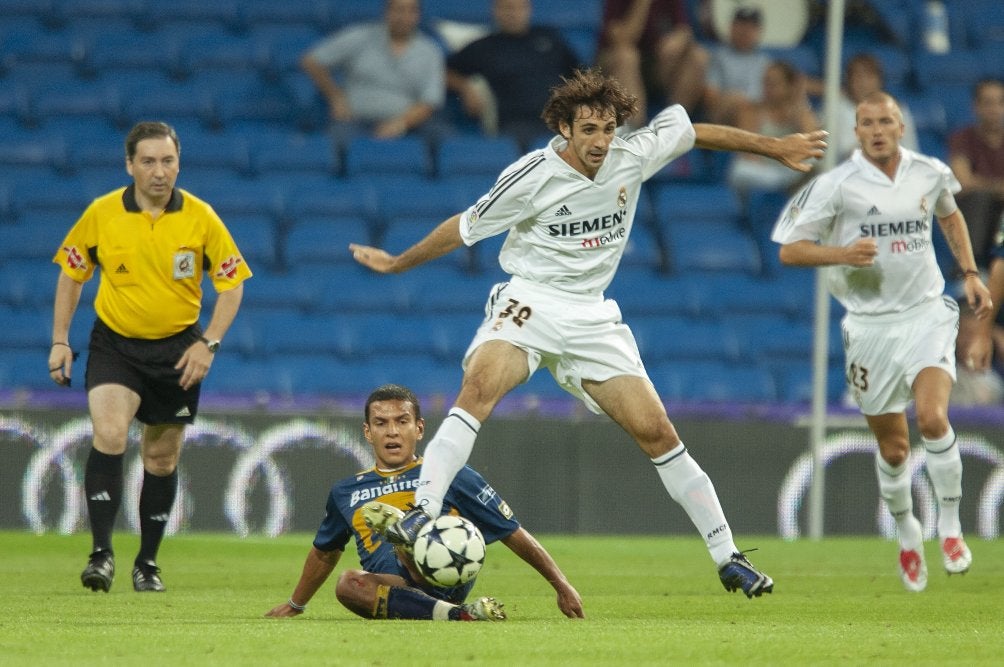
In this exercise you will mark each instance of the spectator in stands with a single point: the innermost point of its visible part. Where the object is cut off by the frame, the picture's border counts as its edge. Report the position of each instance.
(736, 68)
(863, 75)
(382, 79)
(520, 63)
(976, 155)
(785, 109)
(649, 46)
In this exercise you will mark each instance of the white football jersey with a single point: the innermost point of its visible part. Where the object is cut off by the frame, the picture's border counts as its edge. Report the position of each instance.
(856, 200)
(566, 230)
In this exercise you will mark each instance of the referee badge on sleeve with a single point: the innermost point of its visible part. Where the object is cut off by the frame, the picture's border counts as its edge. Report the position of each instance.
(184, 264)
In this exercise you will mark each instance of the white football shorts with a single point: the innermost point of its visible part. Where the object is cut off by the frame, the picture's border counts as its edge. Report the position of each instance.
(884, 353)
(575, 336)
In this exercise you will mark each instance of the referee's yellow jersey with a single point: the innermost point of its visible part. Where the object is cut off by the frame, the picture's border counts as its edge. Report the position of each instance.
(151, 270)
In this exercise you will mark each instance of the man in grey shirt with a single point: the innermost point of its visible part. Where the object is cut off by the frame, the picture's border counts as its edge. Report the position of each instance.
(382, 79)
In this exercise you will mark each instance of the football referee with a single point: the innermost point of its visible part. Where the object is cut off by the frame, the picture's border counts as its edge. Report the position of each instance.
(147, 353)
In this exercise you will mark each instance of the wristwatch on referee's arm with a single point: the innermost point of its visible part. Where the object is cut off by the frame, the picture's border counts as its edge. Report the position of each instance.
(213, 345)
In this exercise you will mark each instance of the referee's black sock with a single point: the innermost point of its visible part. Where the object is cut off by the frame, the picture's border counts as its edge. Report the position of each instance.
(155, 503)
(103, 487)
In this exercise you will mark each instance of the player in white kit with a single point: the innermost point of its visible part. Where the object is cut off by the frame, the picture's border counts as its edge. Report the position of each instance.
(869, 220)
(568, 210)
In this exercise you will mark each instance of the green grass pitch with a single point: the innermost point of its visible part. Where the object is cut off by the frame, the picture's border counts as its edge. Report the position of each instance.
(648, 600)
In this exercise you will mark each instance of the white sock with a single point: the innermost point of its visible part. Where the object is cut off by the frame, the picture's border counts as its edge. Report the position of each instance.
(688, 485)
(441, 611)
(944, 467)
(894, 487)
(444, 456)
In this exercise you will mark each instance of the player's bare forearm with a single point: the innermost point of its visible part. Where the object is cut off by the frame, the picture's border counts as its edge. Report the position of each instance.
(316, 569)
(957, 235)
(793, 150)
(526, 546)
(68, 293)
(444, 239)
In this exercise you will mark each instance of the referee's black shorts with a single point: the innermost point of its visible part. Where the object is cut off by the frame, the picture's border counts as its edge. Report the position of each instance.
(146, 367)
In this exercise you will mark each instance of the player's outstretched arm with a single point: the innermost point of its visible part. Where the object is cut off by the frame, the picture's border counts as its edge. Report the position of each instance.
(526, 546)
(793, 150)
(443, 239)
(316, 570)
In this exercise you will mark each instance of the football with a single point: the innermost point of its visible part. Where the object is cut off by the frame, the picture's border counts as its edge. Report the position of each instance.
(449, 551)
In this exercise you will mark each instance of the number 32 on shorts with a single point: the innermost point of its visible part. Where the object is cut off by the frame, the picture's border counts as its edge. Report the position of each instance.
(516, 312)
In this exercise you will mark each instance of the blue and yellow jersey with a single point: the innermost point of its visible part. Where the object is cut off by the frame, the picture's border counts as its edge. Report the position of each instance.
(469, 496)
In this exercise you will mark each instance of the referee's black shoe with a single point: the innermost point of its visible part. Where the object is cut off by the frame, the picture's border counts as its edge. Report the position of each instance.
(100, 571)
(146, 577)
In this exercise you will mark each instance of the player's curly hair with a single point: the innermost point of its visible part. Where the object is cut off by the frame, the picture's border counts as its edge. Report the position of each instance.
(590, 88)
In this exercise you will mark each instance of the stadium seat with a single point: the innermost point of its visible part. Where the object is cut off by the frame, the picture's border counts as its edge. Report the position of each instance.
(583, 42)
(468, 155)
(255, 235)
(186, 15)
(795, 381)
(462, 11)
(294, 153)
(122, 54)
(641, 290)
(404, 156)
(662, 337)
(675, 203)
(27, 329)
(933, 70)
(28, 284)
(340, 197)
(712, 382)
(712, 246)
(324, 240)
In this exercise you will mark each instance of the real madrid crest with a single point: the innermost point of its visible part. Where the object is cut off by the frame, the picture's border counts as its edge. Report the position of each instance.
(923, 205)
(622, 197)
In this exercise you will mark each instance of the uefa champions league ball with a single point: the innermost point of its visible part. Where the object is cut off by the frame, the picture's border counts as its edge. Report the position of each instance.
(449, 551)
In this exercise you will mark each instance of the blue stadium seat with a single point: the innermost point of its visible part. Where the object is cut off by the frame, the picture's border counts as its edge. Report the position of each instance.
(583, 41)
(255, 235)
(640, 290)
(83, 100)
(25, 369)
(674, 203)
(581, 14)
(29, 283)
(662, 337)
(27, 329)
(463, 11)
(175, 100)
(794, 378)
(467, 155)
(293, 153)
(713, 382)
(324, 240)
(959, 67)
(346, 13)
(186, 15)
(340, 197)
(426, 198)
(712, 246)
(127, 53)
(405, 156)
(300, 290)
(804, 58)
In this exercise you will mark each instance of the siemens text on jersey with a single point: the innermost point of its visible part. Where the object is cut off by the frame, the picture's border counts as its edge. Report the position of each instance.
(895, 228)
(587, 226)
